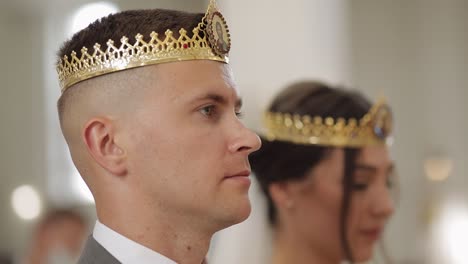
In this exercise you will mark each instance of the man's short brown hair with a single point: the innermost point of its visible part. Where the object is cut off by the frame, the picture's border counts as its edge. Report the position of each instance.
(130, 23)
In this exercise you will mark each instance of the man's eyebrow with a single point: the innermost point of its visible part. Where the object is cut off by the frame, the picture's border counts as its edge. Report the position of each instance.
(218, 98)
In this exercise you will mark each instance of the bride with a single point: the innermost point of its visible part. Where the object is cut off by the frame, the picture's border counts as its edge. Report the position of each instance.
(326, 173)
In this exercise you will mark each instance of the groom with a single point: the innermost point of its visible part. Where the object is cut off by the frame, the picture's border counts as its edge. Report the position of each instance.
(151, 121)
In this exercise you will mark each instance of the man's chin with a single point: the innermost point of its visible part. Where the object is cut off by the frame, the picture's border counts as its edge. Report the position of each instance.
(244, 213)
(237, 214)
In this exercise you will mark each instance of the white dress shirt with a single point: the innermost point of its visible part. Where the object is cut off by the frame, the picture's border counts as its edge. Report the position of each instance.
(125, 250)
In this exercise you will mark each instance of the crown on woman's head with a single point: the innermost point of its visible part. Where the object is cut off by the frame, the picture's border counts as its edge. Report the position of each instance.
(375, 128)
(210, 41)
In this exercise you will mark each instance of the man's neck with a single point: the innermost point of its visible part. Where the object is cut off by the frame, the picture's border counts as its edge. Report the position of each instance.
(173, 238)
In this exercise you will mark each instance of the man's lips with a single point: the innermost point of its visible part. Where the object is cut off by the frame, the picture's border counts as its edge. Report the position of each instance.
(244, 173)
(241, 177)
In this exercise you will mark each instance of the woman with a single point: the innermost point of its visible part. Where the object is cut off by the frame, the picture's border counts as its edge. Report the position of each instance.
(326, 171)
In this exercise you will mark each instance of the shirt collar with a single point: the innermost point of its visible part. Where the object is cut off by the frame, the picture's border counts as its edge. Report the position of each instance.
(125, 250)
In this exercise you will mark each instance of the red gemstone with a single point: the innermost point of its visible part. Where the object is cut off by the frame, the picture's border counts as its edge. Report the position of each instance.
(185, 46)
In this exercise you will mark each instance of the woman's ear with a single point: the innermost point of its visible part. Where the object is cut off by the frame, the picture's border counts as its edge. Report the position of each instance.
(281, 195)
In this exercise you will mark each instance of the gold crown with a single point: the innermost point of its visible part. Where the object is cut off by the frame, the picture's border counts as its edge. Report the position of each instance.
(374, 128)
(210, 41)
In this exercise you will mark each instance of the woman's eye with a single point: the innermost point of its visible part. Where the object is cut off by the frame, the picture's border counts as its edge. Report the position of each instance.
(239, 114)
(359, 186)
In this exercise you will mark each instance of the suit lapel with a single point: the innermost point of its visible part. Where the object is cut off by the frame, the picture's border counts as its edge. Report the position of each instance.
(94, 253)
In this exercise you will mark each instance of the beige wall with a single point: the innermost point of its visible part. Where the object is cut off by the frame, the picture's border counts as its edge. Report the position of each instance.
(278, 42)
(21, 113)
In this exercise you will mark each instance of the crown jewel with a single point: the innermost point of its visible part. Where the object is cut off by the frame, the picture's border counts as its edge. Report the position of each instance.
(374, 128)
(210, 41)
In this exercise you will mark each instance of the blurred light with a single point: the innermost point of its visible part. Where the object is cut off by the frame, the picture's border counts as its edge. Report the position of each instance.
(90, 13)
(438, 168)
(80, 188)
(453, 233)
(26, 202)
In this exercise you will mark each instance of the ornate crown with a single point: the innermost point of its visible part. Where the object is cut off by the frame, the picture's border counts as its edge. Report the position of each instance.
(374, 128)
(210, 41)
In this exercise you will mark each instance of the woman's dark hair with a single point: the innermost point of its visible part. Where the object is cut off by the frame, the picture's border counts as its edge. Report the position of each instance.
(279, 161)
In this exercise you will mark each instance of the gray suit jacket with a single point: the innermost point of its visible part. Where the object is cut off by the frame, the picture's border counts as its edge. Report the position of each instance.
(94, 253)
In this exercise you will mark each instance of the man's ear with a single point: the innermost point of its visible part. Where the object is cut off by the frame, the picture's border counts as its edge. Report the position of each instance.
(99, 137)
(281, 195)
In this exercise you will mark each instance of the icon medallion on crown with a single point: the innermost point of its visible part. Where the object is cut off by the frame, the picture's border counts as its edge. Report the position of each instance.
(218, 33)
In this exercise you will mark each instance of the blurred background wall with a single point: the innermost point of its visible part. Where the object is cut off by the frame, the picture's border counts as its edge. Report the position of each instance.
(414, 52)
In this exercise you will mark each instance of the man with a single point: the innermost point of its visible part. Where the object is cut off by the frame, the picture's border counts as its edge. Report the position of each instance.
(57, 238)
(152, 126)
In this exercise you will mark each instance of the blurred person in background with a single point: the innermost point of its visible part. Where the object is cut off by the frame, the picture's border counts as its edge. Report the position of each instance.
(58, 238)
(5, 259)
(327, 173)
(151, 119)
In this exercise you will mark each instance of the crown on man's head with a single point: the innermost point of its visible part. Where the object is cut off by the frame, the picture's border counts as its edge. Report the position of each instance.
(375, 128)
(210, 41)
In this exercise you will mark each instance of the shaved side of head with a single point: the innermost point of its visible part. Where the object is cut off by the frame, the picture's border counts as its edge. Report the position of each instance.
(112, 96)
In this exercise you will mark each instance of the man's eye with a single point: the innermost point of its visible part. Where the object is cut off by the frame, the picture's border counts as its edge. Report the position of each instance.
(208, 111)
(239, 114)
